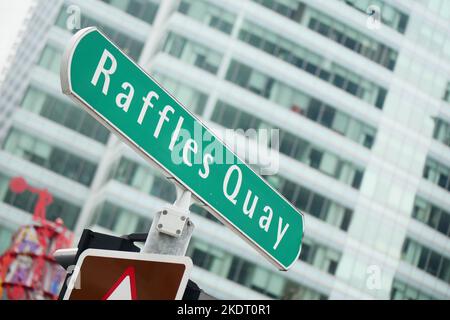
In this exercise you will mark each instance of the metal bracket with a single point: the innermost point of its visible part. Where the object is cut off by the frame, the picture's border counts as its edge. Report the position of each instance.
(172, 221)
(173, 217)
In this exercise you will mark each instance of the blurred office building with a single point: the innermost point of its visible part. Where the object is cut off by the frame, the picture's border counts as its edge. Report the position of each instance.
(363, 109)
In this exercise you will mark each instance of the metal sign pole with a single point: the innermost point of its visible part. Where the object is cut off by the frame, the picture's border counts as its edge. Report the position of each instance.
(171, 229)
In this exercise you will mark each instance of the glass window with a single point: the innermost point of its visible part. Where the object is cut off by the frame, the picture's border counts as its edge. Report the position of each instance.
(317, 205)
(130, 46)
(437, 173)
(431, 215)
(292, 146)
(442, 132)
(288, 144)
(403, 291)
(209, 14)
(51, 58)
(391, 16)
(310, 62)
(350, 38)
(315, 158)
(446, 96)
(119, 220)
(191, 98)
(329, 164)
(300, 103)
(320, 256)
(340, 122)
(64, 113)
(143, 178)
(192, 52)
(52, 158)
(243, 272)
(27, 200)
(426, 259)
(163, 189)
(141, 9)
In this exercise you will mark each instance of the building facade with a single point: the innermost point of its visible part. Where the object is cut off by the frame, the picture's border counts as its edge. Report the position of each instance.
(363, 111)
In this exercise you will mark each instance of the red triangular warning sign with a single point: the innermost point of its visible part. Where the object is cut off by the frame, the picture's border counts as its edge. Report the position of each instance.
(124, 288)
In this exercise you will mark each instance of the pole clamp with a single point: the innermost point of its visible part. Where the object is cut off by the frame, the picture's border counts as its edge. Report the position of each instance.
(172, 220)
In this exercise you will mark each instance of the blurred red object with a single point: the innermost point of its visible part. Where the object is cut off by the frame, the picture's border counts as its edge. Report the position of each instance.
(296, 109)
(20, 185)
(28, 270)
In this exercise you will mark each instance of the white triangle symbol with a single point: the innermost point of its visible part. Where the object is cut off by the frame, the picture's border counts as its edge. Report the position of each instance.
(124, 288)
(122, 291)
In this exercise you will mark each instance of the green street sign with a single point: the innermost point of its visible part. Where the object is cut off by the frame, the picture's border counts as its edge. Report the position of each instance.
(124, 98)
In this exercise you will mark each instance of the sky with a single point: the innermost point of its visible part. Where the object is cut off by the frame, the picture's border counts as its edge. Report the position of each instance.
(12, 14)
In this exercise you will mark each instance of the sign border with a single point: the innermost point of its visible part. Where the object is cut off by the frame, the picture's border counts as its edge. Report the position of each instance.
(132, 256)
(66, 87)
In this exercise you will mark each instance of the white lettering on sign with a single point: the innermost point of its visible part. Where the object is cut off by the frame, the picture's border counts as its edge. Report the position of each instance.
(147, 103)
(207, 160)
(101, 69)
(123, 100)
(265, 221)
(190, 146)
(163, 118)
(176, 133)
(246, 210)
(251, 204)
(281, 232)
(237, 187)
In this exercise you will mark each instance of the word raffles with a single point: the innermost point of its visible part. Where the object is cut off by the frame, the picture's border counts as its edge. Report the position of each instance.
(119, 94)
(104, 73)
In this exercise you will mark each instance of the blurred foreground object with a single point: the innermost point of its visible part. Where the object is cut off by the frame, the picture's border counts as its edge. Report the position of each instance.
(28, 270)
